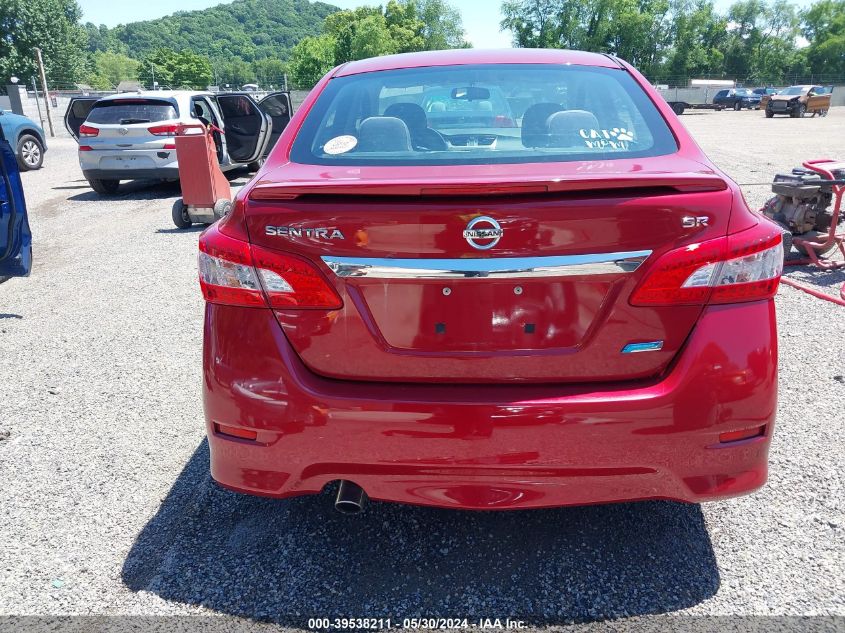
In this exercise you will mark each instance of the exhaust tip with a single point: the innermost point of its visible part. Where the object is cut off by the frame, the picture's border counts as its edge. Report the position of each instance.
(351, 498)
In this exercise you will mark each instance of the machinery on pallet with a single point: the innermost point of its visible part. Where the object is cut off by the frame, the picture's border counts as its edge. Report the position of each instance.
(808, 205)
(803, 206)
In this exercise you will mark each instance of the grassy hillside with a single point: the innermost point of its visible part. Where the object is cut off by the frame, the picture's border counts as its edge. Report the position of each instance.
(247, 30)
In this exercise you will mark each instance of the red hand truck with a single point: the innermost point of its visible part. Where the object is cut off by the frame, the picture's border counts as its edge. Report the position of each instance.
(206, 194)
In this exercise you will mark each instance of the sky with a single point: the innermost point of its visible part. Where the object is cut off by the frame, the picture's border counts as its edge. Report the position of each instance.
(481, 17)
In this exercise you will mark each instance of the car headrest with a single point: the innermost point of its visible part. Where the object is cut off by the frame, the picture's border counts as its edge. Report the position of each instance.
(383, 134)
(535, 132)
(564, 127)
(437, 106)
(412, 114)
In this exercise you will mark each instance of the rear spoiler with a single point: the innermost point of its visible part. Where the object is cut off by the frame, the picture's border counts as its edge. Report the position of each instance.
(681, 183)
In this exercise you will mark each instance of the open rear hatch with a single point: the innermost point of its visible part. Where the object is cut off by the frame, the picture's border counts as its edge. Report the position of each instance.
(487, 280)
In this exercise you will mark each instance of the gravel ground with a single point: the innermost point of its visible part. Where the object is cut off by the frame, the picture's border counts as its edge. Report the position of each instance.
(108, 508)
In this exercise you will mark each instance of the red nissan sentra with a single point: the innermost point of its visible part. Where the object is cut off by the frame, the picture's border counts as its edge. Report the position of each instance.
(490, 280)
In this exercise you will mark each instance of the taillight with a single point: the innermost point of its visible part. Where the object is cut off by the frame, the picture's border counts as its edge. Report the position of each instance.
(85, 148)
(163, 130)
(86, 131)
(745, 266)
(234, 272)
(503, 121)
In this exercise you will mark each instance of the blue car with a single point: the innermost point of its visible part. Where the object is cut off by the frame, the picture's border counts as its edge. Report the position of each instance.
(26, 138)
(15, 236)
(737, 98)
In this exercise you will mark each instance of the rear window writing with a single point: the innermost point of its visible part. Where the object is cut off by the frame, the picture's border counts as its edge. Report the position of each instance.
(481, 114)
(126, 112)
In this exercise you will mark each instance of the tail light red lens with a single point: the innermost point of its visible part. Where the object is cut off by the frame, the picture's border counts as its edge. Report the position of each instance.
(234, 272)
(503, 121)
(745, 266)
(744, 434)
(86, 131)
(85, 148)
(163, 130)
(236, 431)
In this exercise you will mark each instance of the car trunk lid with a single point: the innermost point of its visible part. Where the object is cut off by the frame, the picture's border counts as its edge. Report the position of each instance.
(508, 274)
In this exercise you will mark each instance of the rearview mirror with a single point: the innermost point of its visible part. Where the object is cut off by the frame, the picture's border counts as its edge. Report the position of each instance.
(471, 93)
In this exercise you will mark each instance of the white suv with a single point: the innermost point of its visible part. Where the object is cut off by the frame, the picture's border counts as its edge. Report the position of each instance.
(129, 136)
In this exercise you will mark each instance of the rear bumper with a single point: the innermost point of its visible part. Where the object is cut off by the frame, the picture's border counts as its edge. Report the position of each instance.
(493, 446)
(168, 173)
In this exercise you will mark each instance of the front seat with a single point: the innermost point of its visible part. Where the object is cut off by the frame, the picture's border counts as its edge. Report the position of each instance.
(564, 127)
(422, 136)
(383, 134)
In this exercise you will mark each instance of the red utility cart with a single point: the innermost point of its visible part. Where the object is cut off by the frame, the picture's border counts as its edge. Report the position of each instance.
(206, 194)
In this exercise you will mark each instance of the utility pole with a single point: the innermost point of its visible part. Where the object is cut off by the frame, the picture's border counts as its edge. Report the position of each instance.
(44, 90)
(153, 69)
(37, 102)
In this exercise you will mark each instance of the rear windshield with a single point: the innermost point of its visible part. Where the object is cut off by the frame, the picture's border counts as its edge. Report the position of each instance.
(126, 112)
(492, 113)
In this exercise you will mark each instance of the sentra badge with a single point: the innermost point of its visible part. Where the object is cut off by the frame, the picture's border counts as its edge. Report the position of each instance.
(295, 232)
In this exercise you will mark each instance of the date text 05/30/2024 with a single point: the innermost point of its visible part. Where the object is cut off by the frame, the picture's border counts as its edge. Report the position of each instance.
(371, 624)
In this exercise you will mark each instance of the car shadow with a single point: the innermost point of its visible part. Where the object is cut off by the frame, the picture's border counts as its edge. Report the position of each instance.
(814, 276)
(287, 560)
(194, 228)
(133, 190)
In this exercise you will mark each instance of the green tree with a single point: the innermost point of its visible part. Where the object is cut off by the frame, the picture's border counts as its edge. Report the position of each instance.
(405, 26)
(442, 27)
(312, 58)
(371, 38)
(101, 39)
(51, 25)
(402, 26)
(269, 72)
(341, 27)
(761, 39)
(698, 36)
(823, 24)
(176, 69)
(675, 40)
(248, 30)
(234, 72)
(109, 69)
(637, 30)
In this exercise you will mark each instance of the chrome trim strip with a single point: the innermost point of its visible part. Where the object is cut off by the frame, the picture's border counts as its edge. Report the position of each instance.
(492, 267)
